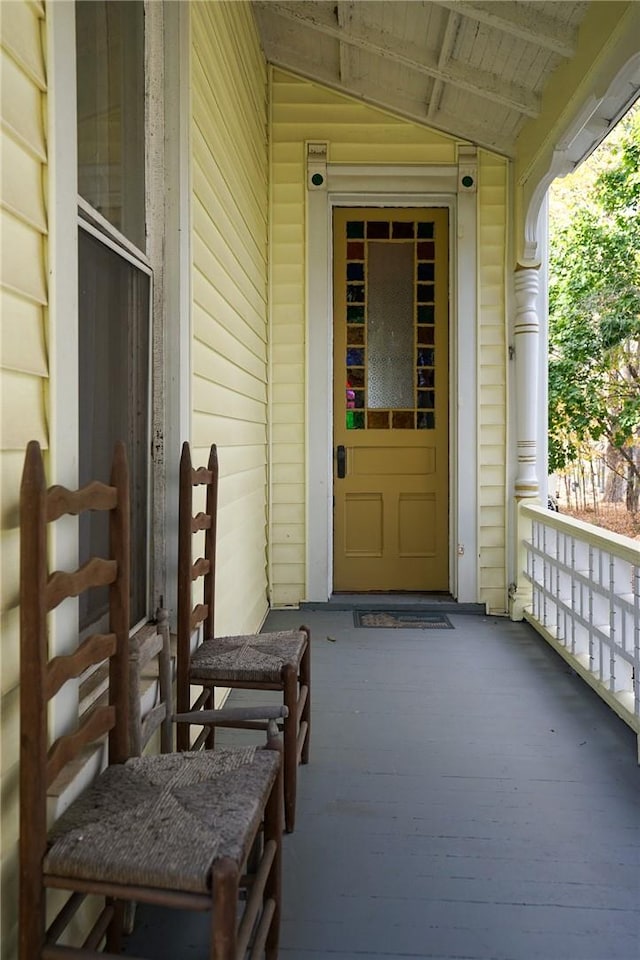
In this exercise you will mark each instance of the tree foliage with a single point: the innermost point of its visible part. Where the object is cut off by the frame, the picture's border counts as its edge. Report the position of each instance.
(594, 310)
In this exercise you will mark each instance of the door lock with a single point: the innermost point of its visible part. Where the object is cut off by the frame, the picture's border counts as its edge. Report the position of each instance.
(341, 456)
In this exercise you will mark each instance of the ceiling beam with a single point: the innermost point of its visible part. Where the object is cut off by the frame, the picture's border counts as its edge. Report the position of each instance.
(344, 16)
(526, 23)
(446, 48)
(479, 82)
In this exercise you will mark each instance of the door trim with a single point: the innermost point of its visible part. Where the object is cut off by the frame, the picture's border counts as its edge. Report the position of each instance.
(392, 186)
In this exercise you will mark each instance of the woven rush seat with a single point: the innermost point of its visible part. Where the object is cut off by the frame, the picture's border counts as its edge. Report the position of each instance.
(117, 830)
(258, 657)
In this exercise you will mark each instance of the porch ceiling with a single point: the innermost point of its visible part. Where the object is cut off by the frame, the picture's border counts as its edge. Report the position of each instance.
(475, 70)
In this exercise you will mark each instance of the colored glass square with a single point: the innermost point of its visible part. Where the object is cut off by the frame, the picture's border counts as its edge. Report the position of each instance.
(378, 419)
(425, 292)
(355, 293)
(427, 421)
(426, 378)
(355, 314)
(403, 419)
(426, 399)
(426, 251)
(377, 230)
(355, 335)
(355, 420)
(355, 271)
(426, 336)
(426, 230)
(426, 357)
(355, 229)
(401, 230)
(426, 271)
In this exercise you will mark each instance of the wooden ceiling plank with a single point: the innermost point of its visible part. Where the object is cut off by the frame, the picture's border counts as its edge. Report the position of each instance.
(525, 23)
(479, 82)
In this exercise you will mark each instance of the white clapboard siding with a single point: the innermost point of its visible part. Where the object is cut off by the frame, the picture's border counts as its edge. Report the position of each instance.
(229, 185)
(492, 427)
(23, 370)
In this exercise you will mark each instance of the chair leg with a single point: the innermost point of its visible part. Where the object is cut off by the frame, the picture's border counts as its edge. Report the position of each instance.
(305, 681)
(116, 927)
(273, 831)
(223, 914)
(290, 738)
(210, 740)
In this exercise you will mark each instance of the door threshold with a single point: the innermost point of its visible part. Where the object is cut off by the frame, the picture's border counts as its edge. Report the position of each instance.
(417, 602)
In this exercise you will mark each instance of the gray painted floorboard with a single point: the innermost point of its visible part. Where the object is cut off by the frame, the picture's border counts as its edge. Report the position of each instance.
(468, 798)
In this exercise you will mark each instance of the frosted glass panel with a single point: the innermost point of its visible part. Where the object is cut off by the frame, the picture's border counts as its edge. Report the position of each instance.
(390, 353)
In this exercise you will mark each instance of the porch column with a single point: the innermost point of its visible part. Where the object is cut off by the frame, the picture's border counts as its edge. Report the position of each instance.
(526, 338)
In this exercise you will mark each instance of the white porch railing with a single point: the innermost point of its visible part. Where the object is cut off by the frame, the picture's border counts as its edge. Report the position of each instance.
(581, 591)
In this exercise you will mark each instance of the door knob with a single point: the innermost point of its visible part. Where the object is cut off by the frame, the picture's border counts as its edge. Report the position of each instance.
(341, 456)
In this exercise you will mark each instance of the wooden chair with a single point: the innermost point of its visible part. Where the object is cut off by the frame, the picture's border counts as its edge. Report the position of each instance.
(176, 829)
(265, 661)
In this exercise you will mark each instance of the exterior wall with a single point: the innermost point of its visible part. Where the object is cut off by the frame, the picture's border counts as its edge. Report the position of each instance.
(229, 200)
(360, 134)
(23, 367)
(492, 354)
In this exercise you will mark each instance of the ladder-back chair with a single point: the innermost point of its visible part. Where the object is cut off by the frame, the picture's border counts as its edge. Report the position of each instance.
(265, 661)
(197, 831)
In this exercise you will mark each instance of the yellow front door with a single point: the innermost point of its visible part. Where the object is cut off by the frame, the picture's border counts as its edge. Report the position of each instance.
(391, 339)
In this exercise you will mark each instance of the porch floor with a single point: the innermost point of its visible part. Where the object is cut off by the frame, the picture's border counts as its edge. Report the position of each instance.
(468, 796)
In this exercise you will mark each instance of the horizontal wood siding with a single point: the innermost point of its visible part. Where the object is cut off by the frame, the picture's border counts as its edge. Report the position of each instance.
(23, 371)
(229, 199)
(356, 133)
(492, 344)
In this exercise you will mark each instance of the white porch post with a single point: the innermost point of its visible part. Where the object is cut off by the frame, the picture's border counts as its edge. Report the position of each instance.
(526, 332)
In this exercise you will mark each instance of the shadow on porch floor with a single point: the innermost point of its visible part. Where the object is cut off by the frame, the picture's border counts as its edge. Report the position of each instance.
(467, 797)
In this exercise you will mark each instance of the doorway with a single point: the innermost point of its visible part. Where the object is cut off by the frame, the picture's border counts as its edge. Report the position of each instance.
(391, 399)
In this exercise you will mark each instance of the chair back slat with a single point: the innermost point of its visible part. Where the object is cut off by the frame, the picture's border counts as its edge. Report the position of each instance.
(98, 724)
(201, 476)
(198, 614)
(93, 496)
(95, 573)
(95, 649)
(200, 568)
(201, 521)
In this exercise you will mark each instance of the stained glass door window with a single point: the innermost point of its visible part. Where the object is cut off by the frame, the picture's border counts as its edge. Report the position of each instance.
(390, 296)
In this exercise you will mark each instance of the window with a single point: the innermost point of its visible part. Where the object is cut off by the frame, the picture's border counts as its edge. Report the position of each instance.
(115, 279)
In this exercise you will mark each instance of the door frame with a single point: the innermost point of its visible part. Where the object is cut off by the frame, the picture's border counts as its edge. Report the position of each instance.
(372, 186)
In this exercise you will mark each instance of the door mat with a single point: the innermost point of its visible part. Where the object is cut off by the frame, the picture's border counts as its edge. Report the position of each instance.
(401, 619)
